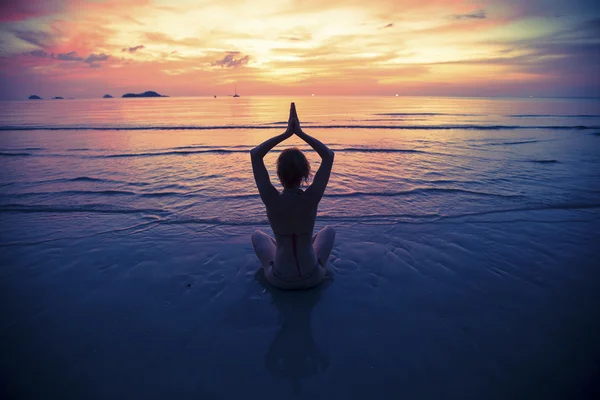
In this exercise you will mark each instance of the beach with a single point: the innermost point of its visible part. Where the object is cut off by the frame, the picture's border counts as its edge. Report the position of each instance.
(465, 262)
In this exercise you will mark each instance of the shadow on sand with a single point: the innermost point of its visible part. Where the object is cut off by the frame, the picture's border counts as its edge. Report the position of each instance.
(293, 353)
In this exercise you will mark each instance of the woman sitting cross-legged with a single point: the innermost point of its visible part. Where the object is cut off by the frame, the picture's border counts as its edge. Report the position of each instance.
(294, 259)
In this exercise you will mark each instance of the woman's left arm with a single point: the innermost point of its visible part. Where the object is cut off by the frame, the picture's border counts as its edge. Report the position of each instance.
(261, 176)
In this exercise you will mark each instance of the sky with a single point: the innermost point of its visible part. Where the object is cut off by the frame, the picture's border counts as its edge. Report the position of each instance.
(87, 48)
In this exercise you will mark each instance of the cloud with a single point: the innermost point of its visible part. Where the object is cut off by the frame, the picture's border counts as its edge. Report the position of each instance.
(93, 59)
(38, 53)
(480, 14)
(231, 60)
(36, 38)
(133, 49)
(70, 56)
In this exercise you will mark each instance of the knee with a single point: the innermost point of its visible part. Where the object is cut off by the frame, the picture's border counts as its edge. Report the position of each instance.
(329, 230)
(255, 236)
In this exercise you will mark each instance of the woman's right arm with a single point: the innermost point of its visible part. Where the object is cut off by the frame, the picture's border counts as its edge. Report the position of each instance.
(319, 184)
(261, 176)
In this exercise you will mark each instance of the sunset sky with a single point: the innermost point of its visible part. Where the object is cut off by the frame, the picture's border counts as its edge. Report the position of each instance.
(84, 48)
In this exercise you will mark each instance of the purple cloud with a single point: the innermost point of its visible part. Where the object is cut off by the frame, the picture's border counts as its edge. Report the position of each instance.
(39, 39)
(133, 49)
(70, 56)
(93, 58)
(474, 15)
(38, 53)
(231, 60)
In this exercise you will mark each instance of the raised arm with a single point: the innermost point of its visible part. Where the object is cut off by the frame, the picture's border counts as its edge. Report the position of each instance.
(261, 176)
(317, 188)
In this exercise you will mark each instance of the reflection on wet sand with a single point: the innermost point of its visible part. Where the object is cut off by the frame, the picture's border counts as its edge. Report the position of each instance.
(293, 353)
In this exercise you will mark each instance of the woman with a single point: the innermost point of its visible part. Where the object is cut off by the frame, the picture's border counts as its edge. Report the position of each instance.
(294, 259)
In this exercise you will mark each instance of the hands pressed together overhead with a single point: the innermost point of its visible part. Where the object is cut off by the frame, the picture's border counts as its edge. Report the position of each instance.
(293, 128)
(293, 122)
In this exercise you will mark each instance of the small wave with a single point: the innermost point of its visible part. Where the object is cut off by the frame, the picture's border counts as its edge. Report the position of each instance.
(23, 149)
(96, 193)
(389, 120)
(247, 127)
(285, 123)
(417, 191)
(85, 179)
(161, 194)
(203, 146)
(420, 191)
(426, 114)
(544, 161)
(512, 143)
(3, 154)
(176, 186)
(88, 208)
(596, 134)
(75, 193)
(171, 153)
(553, 116)
(209, 221)
(194, 146)
(233, 150)
(377, 150)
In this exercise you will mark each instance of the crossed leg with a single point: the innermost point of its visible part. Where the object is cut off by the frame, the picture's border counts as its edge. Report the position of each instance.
(264, 246)
(323, 244)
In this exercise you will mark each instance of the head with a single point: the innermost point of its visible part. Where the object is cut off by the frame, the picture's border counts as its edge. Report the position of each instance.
(292, 168)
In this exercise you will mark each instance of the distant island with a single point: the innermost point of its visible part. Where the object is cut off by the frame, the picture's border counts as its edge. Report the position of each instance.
(108, 96)
(57, 98)
(35, 97)
(145, 94)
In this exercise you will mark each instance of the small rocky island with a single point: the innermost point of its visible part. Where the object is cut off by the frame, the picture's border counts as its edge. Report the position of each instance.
(149, 93)
(58, 98)
(108, 96)
(35, 97)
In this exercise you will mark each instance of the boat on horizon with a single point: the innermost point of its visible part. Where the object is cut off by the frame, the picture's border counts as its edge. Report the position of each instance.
(235, 92)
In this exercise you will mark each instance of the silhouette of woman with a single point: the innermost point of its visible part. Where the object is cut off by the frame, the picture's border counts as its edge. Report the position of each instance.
(294, 259)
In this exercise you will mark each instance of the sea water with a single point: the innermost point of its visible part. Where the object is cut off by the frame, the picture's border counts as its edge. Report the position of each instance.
(465, 262)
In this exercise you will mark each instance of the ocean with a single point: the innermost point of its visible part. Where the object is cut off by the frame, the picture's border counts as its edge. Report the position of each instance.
(465, 263)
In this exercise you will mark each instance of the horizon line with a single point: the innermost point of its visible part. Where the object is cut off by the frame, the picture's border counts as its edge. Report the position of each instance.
(309, 95)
